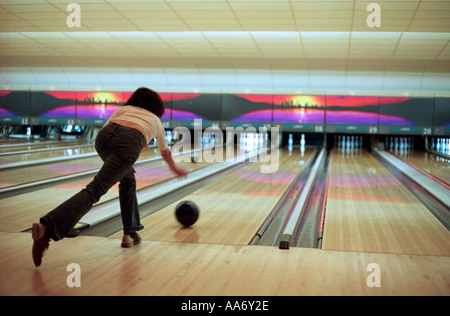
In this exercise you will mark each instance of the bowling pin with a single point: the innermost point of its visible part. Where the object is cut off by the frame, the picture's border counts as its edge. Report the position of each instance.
(175, 135)
(401, 146)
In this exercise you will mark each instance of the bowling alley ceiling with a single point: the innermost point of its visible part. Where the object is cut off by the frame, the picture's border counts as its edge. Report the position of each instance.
(276, 42)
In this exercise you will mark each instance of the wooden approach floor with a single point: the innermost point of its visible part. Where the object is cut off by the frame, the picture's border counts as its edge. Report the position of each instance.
(168, 268)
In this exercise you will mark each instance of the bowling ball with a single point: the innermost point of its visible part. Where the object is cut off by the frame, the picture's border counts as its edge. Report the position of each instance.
(187, 213)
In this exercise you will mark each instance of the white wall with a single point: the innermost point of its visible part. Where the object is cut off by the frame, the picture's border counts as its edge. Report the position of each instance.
(244, 80)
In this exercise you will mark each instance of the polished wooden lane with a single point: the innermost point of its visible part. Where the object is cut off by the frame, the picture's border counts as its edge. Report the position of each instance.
(13, 141)
(369, 210)
(16, 176)
(41, 145)
(168, 268)
(232, 208)
(436, 166)
(46, 155)
(19, 212)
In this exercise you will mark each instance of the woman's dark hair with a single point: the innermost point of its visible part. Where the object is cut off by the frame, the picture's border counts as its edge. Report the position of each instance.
(148, 100)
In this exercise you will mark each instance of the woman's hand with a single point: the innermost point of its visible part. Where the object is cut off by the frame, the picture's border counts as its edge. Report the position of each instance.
(180, 172)
(167, 156)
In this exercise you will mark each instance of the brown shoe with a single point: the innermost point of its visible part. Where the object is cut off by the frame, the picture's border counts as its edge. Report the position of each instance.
(127, 241)
(40, 244)
(131, 240)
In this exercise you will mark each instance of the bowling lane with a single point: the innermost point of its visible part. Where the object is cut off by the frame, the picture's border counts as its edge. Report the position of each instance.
(50, 145)
(232, 208)
(16, 176)
(18, 213)
(438, 167)
(71, 152)
(369, 210)
(13, 141)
